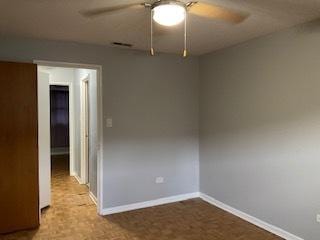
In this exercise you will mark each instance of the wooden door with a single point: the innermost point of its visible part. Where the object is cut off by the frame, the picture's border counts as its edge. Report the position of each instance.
(19, 184)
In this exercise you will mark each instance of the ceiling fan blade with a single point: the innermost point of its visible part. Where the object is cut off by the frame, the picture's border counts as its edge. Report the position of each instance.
(216, 12)
(101, 11)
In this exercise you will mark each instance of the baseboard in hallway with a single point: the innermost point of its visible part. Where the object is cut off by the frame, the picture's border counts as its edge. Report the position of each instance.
(93, 198)
(59, 151)
(77, 178)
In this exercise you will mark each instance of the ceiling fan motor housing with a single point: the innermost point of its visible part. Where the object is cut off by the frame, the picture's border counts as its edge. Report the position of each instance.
(168, 2)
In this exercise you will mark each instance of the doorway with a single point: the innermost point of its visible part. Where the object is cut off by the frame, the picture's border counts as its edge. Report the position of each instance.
(59, 129)
(74, 137)
(59, 119)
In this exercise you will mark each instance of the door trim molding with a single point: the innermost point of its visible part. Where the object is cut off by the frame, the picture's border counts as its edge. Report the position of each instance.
(84, 100)
(98, 68)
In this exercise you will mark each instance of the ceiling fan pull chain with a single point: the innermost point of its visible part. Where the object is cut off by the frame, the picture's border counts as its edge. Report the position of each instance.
(185, 53)
(151, 35)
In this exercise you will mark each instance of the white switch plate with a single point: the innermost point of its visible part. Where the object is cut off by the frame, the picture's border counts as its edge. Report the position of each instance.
(318, 218)
(159, 180)
(109, 122)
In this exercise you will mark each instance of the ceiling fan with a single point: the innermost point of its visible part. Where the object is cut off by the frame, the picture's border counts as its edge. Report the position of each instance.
(172, 12)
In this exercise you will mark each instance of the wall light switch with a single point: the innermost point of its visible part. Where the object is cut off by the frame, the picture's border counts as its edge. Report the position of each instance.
(318, 218)
(159, 180)
(109, 122)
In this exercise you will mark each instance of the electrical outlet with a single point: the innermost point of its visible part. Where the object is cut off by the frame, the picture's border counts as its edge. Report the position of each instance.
(318, 218)
(159, 180)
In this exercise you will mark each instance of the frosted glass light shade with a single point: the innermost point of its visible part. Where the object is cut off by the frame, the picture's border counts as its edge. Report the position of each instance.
(169, 14)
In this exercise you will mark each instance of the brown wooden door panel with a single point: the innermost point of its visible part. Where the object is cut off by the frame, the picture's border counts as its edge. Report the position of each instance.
(19, 184)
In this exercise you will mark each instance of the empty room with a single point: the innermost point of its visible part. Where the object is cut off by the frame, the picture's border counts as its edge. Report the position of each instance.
(160, 120)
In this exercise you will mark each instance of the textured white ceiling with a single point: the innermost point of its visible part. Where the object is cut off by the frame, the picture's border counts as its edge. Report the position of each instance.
(60, 20)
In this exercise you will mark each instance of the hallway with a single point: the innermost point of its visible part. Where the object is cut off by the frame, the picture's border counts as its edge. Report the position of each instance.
(71, 211)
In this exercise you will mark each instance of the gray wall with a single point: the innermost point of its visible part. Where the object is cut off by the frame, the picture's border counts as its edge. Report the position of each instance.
(153, 103)
(154, 106)
(260, 128)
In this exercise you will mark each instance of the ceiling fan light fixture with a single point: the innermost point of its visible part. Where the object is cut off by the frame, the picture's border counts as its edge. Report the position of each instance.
(169, 14)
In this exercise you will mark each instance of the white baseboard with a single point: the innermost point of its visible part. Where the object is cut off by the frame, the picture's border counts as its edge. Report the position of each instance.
(59, 151)
(266, 226)
(270, 228)
(93, 198)
(78, 178)
(152, 203)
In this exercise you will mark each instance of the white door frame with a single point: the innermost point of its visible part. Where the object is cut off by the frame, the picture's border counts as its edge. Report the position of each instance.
(44, 140)
(98, 68)
(84, 123)
(71, 123)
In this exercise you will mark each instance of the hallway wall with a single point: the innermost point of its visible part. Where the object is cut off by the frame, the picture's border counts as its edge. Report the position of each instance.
(79, 75)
